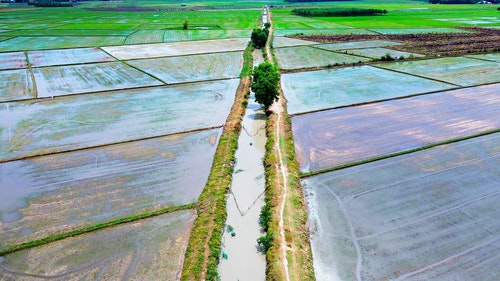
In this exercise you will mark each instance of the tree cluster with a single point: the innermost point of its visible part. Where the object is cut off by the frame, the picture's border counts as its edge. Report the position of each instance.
(265, 84)
(337, 12)
(259, 36)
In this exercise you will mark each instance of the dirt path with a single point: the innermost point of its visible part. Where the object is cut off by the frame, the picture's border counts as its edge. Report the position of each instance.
(277, 108)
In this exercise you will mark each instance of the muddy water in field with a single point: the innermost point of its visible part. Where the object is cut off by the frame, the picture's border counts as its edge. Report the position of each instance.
(141, 250)
(246, 198)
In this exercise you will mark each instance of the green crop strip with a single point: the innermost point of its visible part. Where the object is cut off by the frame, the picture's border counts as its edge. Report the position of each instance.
(92, 228)
(373, 159)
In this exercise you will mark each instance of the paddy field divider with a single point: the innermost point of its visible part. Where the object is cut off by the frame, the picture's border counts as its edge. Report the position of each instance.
(203, 251)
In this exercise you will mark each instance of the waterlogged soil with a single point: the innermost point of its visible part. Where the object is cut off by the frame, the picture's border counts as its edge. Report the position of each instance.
(323, 89)
(67, 56)
(490, 57)
(378, 53)
(429, 215)
(87, 78)
(16, 84)
(13, 60)
(329, 138)
(57, 193)
(457, 70)
(192, 68)
(45, 126)
(279, 42)
(308, 57)
(177, 48)
(142, 250)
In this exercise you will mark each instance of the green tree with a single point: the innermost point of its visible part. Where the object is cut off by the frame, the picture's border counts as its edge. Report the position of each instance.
(259, 37)
(265, 84)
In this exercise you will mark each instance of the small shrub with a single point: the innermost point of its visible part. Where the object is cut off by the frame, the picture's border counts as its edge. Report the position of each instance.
(185, 24)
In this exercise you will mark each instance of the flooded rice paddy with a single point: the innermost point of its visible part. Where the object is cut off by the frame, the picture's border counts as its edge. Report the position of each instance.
(142, 250)
(323, 89)
(429, 215)
(67, 56)
(56, 193)
(329, 138)
(74, 122)
(308, 57)
(457, 70)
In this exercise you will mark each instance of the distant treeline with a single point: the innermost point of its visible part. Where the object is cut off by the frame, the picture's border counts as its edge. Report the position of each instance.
(51, 3)
(338, 12)
(462, 1)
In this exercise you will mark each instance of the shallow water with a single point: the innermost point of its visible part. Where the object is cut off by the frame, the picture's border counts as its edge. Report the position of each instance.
(244, 260)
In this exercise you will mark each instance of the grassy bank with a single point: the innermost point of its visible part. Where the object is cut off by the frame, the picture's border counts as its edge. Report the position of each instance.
(203, 251)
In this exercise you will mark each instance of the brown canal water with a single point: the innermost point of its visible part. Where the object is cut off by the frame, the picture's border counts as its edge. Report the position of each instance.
(244, 261)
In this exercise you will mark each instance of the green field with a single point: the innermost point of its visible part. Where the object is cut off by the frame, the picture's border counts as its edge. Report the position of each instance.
(402, 17)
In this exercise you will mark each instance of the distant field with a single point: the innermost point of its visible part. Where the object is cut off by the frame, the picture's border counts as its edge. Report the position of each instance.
(55, 28)
(402, 17)
(429, 215)
(330, 138)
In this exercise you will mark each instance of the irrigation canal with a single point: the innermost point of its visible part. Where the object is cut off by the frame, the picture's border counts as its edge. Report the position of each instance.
(241, 259)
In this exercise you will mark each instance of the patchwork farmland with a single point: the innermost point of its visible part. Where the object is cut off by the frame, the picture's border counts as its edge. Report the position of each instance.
(109, 147)
(118, 132)
(398, 160)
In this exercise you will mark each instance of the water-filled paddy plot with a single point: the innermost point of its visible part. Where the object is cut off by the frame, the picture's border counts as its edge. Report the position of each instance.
(457, 70)
(55, 193)
(330, 138)
(38, 127)
(16, 84)
(323, 89)
(308, 57)
(13, 60)
(85, 78)
(192, 68)
(67, 56)
(142, 250)
(177, 49)
(430, 215)
(377, 53)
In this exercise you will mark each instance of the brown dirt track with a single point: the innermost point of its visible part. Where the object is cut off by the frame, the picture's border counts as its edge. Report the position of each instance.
(475, 40)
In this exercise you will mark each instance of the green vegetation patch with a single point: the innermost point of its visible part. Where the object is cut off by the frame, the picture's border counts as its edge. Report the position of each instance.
(323, 89)
(335, 137)
(457, 70)
(425, 207)
(309, 57)
(64, 123)
(142, 250)
(104, 183)
(145, 36)
(16, 84)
